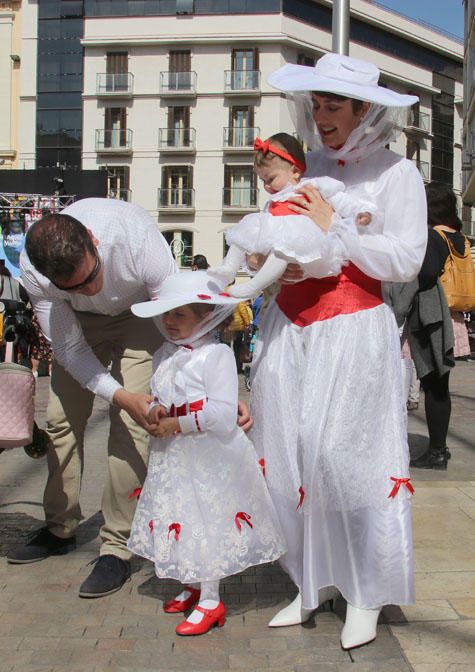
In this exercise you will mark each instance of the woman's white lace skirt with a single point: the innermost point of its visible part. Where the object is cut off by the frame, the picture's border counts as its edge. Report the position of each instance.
(329, 421)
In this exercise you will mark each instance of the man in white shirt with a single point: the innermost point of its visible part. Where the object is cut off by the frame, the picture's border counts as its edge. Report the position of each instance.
(83, 268)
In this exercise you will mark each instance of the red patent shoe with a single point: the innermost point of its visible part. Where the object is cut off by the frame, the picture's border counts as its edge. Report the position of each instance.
(211, 618)
(177, 606)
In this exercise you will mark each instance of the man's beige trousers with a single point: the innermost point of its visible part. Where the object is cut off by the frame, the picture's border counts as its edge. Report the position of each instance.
(127, 343)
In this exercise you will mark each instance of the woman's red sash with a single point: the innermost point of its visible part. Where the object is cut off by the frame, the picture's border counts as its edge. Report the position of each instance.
(314, 300)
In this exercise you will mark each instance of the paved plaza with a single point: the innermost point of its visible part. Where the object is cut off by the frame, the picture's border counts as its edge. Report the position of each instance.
(45, 627)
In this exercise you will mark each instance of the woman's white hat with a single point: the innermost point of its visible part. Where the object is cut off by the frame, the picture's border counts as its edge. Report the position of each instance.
(181, 289)
(343, 75)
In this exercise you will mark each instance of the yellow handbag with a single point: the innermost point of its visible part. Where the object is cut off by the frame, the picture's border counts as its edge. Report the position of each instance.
(458, 277)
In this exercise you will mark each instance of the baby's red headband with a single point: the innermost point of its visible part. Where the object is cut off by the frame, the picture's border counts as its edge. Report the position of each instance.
(265, 147)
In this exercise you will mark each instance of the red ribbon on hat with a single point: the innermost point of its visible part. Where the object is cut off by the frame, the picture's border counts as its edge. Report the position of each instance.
(397, 484)
(265, 147)
(174, 527)
(245, 517)
(203, 296)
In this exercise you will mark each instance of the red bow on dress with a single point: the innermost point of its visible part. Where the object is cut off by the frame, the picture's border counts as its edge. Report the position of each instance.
(174, 527)
(245, 517)
(397, 484)
(302, 497)
(135, 493)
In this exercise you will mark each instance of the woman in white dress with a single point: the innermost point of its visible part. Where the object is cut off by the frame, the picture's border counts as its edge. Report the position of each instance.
(327, 392)
(204, 512)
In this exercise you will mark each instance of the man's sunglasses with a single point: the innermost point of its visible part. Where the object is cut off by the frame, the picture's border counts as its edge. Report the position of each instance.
(87, 281)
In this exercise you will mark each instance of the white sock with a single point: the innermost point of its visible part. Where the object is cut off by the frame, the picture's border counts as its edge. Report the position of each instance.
(209, 600)
(185, 594)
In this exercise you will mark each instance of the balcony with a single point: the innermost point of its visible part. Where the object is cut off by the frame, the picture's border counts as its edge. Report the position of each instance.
(178, 84)
(241, 82)
(177, 200)
(237, 139)
(120, 194)
(177, 140)
(419, 124)
(113, 141)
(424, 169)
(110, 86)
(240, 199)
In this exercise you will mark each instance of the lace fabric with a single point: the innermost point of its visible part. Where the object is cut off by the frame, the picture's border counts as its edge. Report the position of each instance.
(380, 126)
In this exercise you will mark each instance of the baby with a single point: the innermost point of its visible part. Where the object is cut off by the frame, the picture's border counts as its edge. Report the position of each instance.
(278, 232)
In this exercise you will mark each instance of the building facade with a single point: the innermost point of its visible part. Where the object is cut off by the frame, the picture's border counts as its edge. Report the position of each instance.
(468, 164)
(167, 96)
(10, 71)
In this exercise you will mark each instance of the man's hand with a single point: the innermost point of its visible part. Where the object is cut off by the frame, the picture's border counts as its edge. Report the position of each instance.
(166, 427)
(245, 420)
(136, 404)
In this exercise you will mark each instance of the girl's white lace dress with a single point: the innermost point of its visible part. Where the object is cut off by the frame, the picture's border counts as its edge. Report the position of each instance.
(204, 512)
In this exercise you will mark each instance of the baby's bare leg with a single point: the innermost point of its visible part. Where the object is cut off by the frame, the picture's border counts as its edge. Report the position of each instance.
(268, 274)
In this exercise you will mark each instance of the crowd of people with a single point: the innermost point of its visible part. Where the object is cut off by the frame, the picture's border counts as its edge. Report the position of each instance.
(321, 481)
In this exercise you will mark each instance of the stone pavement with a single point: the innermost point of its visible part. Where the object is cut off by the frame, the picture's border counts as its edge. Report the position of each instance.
(45, 627)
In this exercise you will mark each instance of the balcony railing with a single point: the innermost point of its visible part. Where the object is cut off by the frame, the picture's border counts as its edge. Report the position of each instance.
(176, 199)
(242, 81)
(121, 84)
(424, 169)
(177, 139)
(120, 194)
(240, 198)
(114, 140)
(419, 122)
(177, 83)
(235, 137)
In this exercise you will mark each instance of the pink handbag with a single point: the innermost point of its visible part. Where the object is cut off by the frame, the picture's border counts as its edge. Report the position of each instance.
(17, 410)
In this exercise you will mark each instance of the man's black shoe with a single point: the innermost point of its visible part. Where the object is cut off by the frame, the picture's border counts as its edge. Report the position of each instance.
(39, 546)
(109, 574)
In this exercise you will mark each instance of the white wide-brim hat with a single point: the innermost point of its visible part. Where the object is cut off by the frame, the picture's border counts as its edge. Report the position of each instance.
(343, 75)
(181, 289)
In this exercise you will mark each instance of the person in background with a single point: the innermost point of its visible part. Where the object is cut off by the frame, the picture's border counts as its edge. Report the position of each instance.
(199, 263)
(432, 327)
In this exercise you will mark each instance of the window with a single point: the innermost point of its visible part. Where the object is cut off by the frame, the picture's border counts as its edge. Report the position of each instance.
(178, 131)
(177, 187)
(245, 69)
(118, 182)
(239, 186)
(181, 245)
(241, 132)
(116, 71)
(115, 127)
(179, 70)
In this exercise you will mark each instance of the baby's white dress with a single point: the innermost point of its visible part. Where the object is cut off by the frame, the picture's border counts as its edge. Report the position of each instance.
(293, 236)
(204, 512)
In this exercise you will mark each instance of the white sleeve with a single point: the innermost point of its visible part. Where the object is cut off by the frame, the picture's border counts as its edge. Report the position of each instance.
(219, 412)
(396, 253)
(60, 326)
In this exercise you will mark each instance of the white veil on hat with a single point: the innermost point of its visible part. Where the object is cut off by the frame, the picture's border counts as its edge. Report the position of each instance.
(350, 78)
(185, 288)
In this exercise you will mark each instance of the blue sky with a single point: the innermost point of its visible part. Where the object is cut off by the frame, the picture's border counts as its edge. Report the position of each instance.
(444, 14)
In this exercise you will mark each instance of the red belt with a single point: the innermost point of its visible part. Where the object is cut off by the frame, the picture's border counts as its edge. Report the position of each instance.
(314, 300)
(184, 409)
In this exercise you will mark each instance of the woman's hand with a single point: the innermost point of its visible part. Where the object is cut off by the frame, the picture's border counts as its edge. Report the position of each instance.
(244, 420)
(292, 274)
(316, 207)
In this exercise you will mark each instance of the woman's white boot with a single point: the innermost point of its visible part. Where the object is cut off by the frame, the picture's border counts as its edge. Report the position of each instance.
(293, 614)
(360, 627)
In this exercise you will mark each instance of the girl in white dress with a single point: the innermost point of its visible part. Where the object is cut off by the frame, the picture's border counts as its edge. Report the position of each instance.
(279, 231)
(204, 512)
